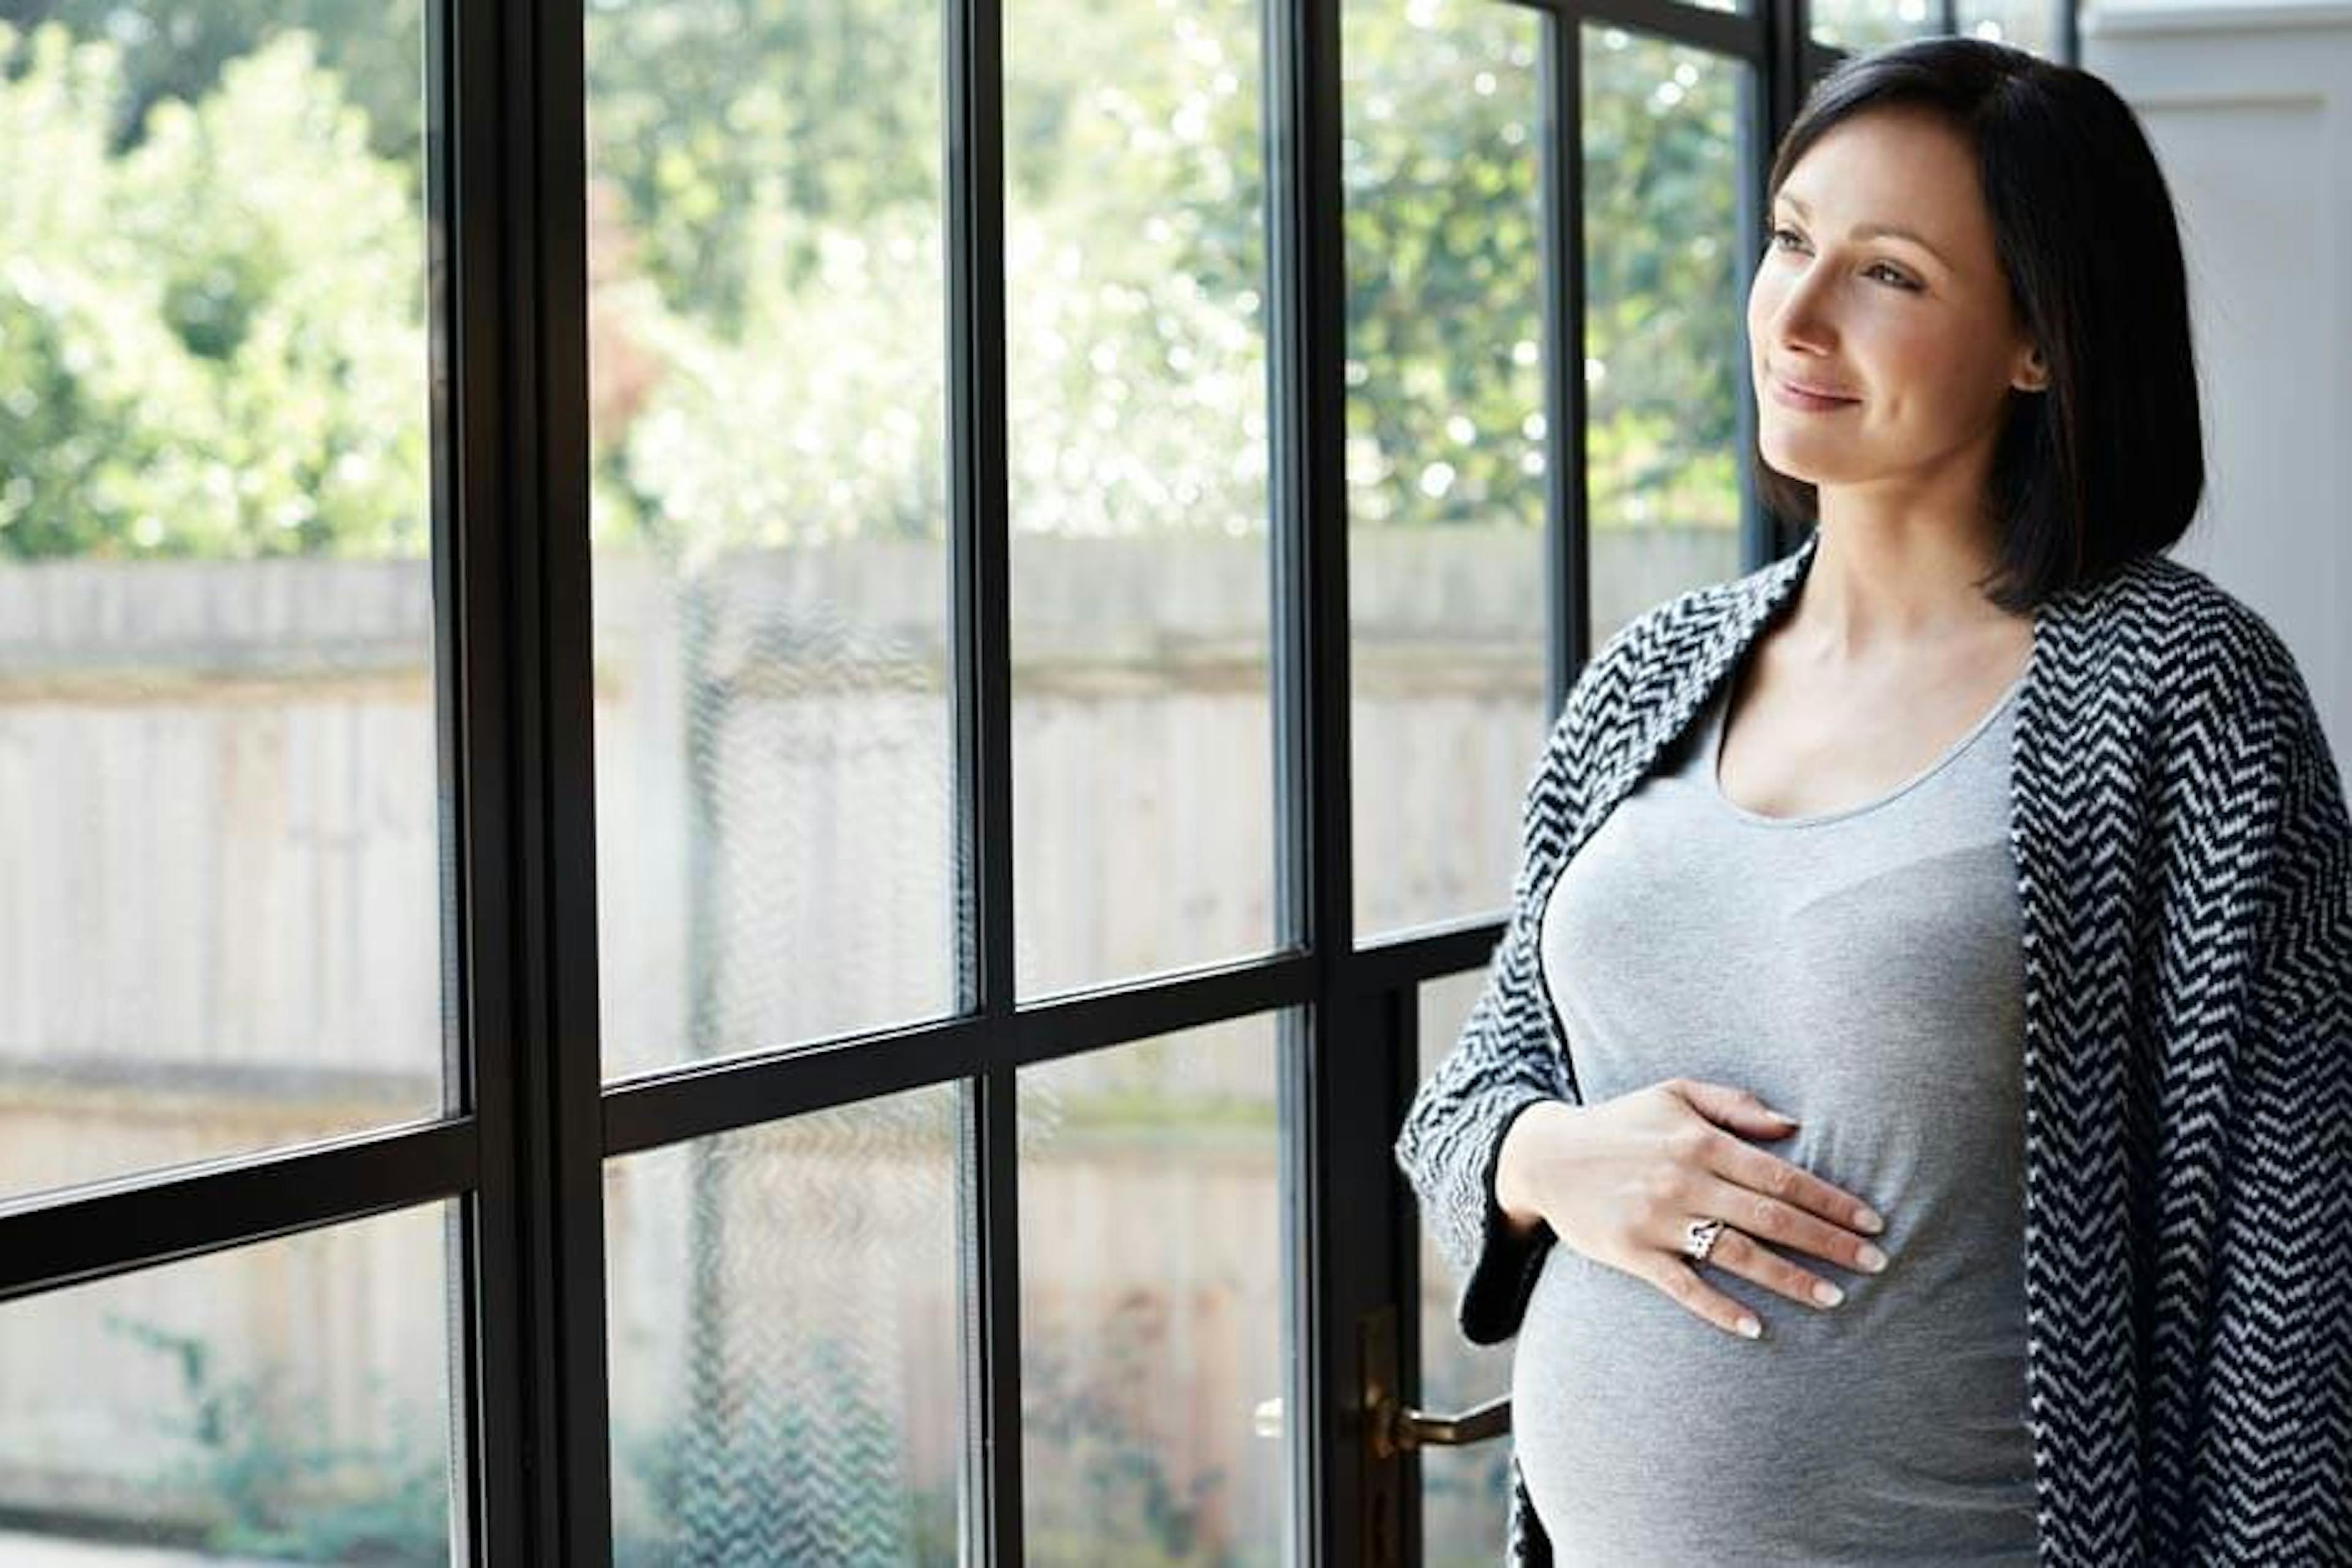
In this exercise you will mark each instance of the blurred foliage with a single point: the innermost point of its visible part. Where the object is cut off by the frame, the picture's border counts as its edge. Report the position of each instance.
(800, 1463)
(1097, 1487)
(213, 336)
(196, 359)
(177, 49)
(1665, 301)
(1441, 162)
(256, 1457)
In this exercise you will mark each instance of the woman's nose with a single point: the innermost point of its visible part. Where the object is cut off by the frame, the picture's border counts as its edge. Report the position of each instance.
(1801, 320)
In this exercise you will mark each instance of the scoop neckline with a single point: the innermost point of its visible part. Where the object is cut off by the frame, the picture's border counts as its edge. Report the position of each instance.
(1713, 754)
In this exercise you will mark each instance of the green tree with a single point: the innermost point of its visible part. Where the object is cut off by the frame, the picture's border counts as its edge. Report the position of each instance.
(175, 49)
(198, 362)
(709, 117)
(1666, 289)
(1442, 125)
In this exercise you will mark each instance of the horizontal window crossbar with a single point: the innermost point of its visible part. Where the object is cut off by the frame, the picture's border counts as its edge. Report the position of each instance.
(104, 1229)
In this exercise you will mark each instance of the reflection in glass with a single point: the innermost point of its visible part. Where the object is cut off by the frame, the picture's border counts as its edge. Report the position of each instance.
(1445, 449)
(1465, 1491)
(783, 1311)
(1665, 148)
(219, 832)
(286, 1402)
(1151, 1289)
(1135, 368)
(767, 415)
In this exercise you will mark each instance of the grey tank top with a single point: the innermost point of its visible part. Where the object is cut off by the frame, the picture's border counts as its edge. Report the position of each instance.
(1862, 971)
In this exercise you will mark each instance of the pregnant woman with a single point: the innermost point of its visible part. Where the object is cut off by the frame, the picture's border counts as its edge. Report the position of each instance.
(1908, 1117)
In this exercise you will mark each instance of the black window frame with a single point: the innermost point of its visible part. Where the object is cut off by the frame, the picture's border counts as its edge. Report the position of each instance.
(523, 1151)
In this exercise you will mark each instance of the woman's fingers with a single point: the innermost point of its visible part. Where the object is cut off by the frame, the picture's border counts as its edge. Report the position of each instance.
(1735, 1254)
(1678, 1280)
(1742, 1255)
(1749, 1166)
(1768, 1218)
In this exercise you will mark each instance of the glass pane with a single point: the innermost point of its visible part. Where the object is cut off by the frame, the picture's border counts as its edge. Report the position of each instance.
(783, 1312)
(774, 773)
(2030, 24)
(1447, 447)
(1465, 1493)
(1859, 24)
(1142, 753)
(219, 820)
(1151, 1292)
(285, 1402)
(1667, 145)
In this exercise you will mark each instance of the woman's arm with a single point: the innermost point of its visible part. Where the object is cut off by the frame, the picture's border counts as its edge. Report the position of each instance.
(2271, 1449)
(1506, 1058)
(1502, 1064)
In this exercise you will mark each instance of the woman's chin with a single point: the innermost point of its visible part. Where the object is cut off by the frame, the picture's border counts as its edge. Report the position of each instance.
(1806, 462)
(1793, 465)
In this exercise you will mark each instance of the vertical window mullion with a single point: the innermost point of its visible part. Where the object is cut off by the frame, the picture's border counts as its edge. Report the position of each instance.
(979, 552)
(987, 1259)
(515, 599)
(560, 865)
(1331, 1117)
(462, 55)
(1566, 503)
(1758, 543)
(460, 47)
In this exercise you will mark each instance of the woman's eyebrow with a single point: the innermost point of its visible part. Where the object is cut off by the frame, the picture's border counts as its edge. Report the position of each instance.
(1871, 230)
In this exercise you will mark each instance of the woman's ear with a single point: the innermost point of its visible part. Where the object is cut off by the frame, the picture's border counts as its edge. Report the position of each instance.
(2035, 376)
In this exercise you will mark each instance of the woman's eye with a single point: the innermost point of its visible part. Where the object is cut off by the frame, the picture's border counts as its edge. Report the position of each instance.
(1897, 278)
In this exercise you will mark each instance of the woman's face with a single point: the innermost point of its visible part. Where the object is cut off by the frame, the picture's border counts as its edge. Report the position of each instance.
(1916, 336)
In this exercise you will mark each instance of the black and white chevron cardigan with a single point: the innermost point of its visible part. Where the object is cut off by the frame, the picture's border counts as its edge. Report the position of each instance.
(2184, 863)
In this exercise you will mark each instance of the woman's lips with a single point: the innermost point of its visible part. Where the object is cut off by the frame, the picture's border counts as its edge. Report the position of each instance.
(1811, 403)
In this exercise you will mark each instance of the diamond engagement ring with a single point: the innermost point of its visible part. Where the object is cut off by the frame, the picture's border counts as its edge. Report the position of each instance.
(1698, 1238)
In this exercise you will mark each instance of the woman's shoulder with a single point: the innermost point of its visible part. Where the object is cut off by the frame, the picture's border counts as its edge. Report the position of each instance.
(1670, 642)
(2198, 647)
(2229, 716)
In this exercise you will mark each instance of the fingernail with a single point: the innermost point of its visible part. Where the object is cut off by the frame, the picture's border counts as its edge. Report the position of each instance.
(1751, 1327)
(1868, 1219)
(1827, 1294)
(1871, 1258)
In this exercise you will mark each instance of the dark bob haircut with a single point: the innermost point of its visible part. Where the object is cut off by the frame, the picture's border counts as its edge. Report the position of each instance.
(2106, 463)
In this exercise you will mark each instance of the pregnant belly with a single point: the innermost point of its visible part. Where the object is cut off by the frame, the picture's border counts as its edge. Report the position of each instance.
(1890, 1429)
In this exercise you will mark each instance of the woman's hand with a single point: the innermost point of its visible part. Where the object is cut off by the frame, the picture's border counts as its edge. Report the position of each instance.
(1618, 1180)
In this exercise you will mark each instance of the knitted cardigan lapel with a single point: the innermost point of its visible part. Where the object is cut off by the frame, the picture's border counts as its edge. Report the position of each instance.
(2149, 818)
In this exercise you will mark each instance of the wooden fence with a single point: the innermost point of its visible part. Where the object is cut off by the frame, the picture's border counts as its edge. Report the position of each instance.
(221, 879)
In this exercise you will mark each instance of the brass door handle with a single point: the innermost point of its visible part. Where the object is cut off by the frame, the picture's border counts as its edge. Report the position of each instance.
(1410, 1428)
(1392, 1427)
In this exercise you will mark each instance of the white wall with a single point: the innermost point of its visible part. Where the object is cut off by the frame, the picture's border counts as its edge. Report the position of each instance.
(2249, 104)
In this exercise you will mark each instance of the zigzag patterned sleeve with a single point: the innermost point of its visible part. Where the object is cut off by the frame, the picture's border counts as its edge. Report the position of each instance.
(2272, 1451)
(1503, 1062)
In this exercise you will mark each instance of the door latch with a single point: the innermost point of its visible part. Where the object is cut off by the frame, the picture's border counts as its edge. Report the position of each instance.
(1392, 1427)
